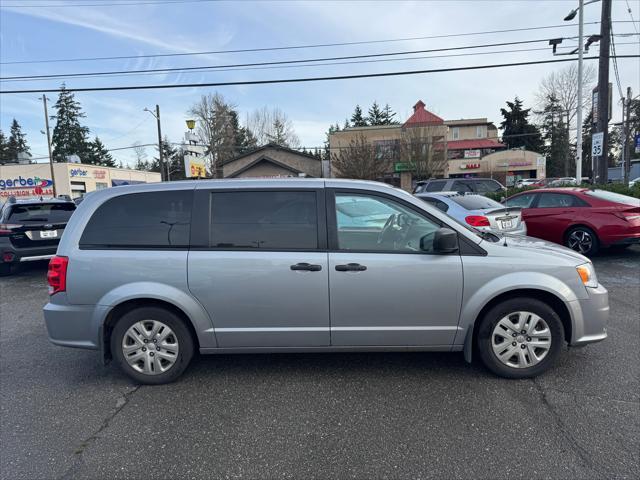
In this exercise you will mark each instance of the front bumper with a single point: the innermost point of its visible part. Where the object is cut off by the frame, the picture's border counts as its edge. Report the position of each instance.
(590, 317)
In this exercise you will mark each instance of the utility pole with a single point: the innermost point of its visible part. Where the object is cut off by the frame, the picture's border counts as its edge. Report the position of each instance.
(160, 156)
(602, 124)
(46, 123)
(579, 106)
(626, 151)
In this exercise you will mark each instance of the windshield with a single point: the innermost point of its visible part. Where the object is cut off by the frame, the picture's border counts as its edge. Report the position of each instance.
(613, 197)
(475, 202)
(41, 213)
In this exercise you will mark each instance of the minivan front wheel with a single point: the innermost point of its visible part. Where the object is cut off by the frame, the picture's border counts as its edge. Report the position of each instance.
(152, 345)
(520, 338)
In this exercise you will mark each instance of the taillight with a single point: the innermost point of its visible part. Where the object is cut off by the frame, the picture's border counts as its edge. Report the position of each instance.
(7, 229)
(477, 221)
(629, 215)
(57, 274)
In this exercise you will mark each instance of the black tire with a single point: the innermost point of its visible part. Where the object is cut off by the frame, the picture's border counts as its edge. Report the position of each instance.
(174, 322)
(584, 232)
(524, 304)
(6, 269)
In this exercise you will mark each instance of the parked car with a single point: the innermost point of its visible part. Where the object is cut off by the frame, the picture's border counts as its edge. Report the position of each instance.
(478, 211)
(562, 182)
(30, 230)
(527, 182)
(475, 185)
(147, 274)
(580, 218)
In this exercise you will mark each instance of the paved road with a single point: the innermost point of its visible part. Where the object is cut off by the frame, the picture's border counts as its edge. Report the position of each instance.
(63, 415)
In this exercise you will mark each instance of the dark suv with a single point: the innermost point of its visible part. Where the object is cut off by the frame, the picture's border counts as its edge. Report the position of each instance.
(31, 230)
(475, 185)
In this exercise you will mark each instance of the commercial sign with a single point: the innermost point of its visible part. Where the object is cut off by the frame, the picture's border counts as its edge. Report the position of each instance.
(514, 164)
(402, 167)
(469, 166)
(25, 186)
(597, 139)
(472, 154)
(637, 142)
(77, 172)
(194, 167)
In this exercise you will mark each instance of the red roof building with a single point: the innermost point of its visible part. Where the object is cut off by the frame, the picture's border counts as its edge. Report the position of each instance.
(422, 117)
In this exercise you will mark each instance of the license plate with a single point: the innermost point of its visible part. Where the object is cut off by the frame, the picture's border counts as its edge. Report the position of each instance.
(506, 224)
(48, 234)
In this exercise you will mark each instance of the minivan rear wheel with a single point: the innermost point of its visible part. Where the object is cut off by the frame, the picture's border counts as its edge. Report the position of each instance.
(520, 338)
(152, 345)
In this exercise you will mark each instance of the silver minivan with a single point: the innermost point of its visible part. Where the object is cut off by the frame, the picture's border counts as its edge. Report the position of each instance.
(150, 274)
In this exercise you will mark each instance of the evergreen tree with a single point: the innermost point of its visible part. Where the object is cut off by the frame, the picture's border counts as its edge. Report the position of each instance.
(376, 116)
(388, 116)
(556, 138)
(587, 129)
(4, 148)
(99, 155)
(357, 120)
(517, 132)
(17, 142)
(69, 137)
(346, 124)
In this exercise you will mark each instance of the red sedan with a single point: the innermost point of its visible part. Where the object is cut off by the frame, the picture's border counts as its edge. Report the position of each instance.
(580, 218)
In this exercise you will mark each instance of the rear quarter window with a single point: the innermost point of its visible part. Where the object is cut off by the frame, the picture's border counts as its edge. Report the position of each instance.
(141, 220)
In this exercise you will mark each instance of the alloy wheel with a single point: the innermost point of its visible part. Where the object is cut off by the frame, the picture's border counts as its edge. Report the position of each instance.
(581, 241)
(521, 339)
(150, 347)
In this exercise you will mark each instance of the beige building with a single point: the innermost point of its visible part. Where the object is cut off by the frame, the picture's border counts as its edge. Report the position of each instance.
(73, 179)
(272, 161)
(472, 148)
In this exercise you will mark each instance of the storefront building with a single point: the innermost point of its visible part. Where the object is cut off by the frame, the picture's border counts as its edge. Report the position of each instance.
(73, 179)
(506, 166)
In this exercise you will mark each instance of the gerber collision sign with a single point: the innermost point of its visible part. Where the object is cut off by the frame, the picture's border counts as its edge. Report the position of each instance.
(25, 186)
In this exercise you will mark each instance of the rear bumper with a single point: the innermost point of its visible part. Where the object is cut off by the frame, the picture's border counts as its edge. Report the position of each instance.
(25, 254)
(72, 325)
(590, 317)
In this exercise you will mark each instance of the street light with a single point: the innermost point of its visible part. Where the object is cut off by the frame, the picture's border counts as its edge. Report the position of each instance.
(191, 124)
(569, 17)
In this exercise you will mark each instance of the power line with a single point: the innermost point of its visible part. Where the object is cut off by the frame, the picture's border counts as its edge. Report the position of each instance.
(298, 47)
(358, 62)
(279, 62)
(303, 79)
(615, 63)
(631, 15)
(111, 4)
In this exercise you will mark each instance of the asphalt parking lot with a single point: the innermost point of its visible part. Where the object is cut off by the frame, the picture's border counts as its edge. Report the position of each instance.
(419, 415)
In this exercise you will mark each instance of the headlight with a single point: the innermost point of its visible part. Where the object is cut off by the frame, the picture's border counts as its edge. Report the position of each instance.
(588, 275)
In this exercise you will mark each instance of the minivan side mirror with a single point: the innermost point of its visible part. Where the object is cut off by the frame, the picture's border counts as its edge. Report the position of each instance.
(445, 240)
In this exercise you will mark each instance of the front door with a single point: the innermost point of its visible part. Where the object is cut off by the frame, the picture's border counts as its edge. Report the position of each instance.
(551, 215)
(385, 290)
(263, 274)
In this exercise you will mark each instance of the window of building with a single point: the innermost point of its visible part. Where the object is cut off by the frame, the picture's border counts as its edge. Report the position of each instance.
(101, 185)
(387, 149)
(371, 223)
(78, 189)
(141, 220)
(266, 220)
(455, 133)
(480, 131)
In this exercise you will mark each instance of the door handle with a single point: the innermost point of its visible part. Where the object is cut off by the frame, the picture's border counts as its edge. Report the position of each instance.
(309, 267)
(351, 267)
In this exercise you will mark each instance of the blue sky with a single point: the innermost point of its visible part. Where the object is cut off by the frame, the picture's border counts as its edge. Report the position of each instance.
(49, 32)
